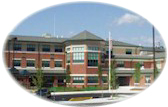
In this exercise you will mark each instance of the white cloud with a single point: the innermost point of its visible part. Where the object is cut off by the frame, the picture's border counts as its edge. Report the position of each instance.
(129, 18)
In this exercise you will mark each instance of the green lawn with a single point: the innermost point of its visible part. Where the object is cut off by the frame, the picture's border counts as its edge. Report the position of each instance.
(67, 89)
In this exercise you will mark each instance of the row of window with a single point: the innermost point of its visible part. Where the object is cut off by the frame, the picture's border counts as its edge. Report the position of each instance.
(92, 56)
(92, 59)
(94, 79)
(93, 48)
(121, 63)
(82, 49)
(31, 63)
(91, 79)
(78, 57)
(78, 48)
(78, 79)
(46, 48)
(127, 52)
(32, 47)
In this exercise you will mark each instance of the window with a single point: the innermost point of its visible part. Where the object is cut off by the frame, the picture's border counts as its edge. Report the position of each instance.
(102, 58)
(67, 49)
(128, 51)
(107, 54)
(120, 63)
(17, 63)
(46, 48)
(68, 57)
(141, 63)
(48, 81)
(58, 63)
(93, 48)
(45, 63)
(93, 56)
(158, 65)
(58, 49)
(78, 48)
(92, 59)
(92, 62)
(78, 57)
(78, 79)
(104, 79)
(30, 47)
(147, 79)
(17, 47)
(30, 63)
(92, 79)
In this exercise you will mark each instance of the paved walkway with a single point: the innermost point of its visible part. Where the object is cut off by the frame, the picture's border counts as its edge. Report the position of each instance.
(95, 101)
(120, 90)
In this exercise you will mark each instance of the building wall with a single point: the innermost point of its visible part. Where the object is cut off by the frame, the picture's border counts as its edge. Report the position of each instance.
(122, 50)
(77, 68)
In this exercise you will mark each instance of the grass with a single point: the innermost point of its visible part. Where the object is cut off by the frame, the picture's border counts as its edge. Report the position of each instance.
(70, 89)
(62, 89)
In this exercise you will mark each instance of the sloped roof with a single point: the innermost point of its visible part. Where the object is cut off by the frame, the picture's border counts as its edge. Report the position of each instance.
(37, 38)
(119, 43)
(85, 35)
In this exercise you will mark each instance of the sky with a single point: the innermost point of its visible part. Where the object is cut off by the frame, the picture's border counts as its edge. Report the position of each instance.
(69, 19)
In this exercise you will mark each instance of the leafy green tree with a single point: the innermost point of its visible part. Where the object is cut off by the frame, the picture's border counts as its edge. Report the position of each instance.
(68, 72)
(137, 73)
(38, 79)
(114, 78)
(100, 75)
(156, 72)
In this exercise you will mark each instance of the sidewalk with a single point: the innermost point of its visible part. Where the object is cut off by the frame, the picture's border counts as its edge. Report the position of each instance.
(96, 101)
(120, 90)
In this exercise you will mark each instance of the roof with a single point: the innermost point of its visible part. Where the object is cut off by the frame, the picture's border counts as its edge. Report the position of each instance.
(119, 43)
(150, 49)
(85, 35)
(37, 39)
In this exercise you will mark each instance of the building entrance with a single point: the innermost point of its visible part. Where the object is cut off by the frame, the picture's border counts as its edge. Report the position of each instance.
(123, 81)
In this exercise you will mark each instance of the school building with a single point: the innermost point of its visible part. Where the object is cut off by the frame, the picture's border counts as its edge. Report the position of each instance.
(79, 57)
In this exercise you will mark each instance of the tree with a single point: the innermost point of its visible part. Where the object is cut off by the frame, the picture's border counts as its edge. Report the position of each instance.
(156, 73)
(100, 75)
(68, 77)
(38, 79)
(114, 82)
(137, 73)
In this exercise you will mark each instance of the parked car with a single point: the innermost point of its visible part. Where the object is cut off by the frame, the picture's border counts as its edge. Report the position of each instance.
(43, 92)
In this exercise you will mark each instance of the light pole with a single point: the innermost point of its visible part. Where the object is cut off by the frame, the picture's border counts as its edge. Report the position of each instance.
(110, 46)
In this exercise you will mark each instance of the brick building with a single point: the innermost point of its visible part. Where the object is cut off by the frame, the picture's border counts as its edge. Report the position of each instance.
(81, 55)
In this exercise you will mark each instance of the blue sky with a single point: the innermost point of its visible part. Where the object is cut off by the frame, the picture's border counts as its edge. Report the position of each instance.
(99, 19)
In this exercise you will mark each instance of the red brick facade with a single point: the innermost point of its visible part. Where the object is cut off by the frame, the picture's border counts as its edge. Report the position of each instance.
(82, 70)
